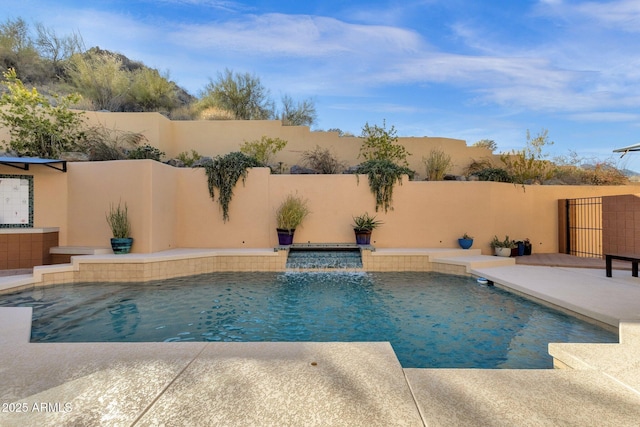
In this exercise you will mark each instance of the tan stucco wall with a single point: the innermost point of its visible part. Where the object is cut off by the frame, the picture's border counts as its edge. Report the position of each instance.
(219, 137)
(170, 207)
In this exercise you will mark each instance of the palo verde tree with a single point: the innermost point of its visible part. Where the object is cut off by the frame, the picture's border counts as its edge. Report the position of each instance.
(101, 78)
(37, 126)
(242, 94)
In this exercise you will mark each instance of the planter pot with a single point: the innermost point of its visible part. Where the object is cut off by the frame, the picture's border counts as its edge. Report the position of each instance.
(505, 252)
(121, 245)
(520, 248)
(465, 243)
(285, 237)
(514, 251)
(527, 249)
(363, 237)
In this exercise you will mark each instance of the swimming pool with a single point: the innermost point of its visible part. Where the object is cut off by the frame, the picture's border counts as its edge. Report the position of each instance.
(432, 320)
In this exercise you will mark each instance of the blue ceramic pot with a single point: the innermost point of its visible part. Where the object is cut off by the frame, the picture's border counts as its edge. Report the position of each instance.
(121, 245)
(465, 243)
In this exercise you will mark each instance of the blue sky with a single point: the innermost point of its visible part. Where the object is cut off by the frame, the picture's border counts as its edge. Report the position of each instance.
(467, 69)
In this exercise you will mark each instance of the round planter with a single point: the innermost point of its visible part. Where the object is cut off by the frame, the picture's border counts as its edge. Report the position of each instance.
(121, 245)
(285, 237)
(465, 243)
(363, 237)
(505, 252)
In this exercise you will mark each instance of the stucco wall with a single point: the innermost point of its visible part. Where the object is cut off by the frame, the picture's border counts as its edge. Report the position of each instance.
(219, 137)
(170, 207)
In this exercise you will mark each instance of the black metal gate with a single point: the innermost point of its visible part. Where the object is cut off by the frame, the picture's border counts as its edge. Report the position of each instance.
(584, 227)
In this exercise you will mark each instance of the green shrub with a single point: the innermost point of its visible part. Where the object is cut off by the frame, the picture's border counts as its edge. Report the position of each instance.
(476, 166)
(264, 149)
(189, 158)
(528, 165)
(493, 174)
(145, 152)
(37, 127)
(381, 144)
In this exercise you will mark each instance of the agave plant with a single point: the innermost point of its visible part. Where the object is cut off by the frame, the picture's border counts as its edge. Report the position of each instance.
(365, 222)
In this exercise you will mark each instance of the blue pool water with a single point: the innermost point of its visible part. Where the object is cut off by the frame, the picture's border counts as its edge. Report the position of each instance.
(431, 319)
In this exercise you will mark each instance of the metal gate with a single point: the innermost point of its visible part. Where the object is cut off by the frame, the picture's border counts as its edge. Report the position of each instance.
(583, 227)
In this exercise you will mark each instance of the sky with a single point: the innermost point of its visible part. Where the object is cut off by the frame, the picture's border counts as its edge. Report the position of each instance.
(465, 69)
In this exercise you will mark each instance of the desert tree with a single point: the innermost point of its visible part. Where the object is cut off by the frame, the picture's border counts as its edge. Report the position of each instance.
(301, 113)
(100, 78)
(18, 52)
(240, 93)
(489, 144)
(152, 91)
(55, 48)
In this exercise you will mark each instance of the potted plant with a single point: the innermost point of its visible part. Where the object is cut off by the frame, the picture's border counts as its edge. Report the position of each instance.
(465, 241)
(502, 247)
(289, 216)
(363, 226)
(118, 220)
(527, 247)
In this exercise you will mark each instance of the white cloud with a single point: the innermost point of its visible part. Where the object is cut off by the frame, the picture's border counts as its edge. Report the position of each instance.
(611, 117)
(295, 35)
(622, 14)
(229, 6)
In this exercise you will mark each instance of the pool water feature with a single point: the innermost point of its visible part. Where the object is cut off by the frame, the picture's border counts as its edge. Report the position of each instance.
(432, 320)
(318, 258)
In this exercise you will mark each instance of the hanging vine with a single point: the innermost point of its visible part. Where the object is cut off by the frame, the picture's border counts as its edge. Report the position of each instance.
(383, 174)
(223, 173)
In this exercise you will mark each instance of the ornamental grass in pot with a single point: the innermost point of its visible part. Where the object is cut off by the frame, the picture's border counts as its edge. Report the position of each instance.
(118, 220)
(292, 211)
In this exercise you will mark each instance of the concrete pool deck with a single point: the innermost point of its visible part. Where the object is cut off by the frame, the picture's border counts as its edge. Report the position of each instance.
(331, 383)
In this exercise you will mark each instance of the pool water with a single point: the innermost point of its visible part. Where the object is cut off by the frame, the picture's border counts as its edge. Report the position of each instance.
(432, 320)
